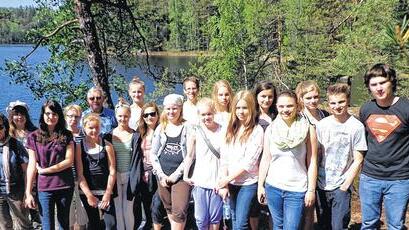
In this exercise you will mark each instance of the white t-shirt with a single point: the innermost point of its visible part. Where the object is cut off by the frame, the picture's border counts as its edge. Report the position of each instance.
(338, 141)
(206, 171)
(134, 119)
(222, 118)
(190, 113)
(235, 156)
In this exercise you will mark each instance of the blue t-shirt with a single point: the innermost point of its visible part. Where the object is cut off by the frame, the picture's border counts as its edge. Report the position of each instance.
(18, 155)
(108, 120)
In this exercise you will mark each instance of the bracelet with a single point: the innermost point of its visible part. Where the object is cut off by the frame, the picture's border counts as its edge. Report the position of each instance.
(310, 190)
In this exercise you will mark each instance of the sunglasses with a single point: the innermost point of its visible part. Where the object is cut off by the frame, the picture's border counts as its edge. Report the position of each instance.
(146, 115)
(95, 98)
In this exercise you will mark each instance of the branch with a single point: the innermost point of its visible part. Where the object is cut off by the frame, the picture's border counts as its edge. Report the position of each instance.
(48, 36)
(345, 19)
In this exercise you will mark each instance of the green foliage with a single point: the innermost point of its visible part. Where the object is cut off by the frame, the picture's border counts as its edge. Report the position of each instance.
(15, 24)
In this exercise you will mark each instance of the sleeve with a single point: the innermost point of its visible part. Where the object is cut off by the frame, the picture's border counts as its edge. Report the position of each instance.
(360, 139)
(31, 141)
(156, 146)
(253, 149)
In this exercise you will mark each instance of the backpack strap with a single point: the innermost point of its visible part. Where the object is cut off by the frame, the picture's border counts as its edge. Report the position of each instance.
(214, 151)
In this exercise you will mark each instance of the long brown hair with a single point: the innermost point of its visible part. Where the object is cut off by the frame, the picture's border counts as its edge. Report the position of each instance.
(234, 123)
(143, 127)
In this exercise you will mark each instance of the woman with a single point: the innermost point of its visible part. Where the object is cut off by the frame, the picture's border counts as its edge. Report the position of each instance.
(167, 156)
(204, 145)
(308, 94)
(136, 91)
(222, 95)
(13, 163)
(51, 155)
(191, 88)
(240, 157)
(121, 139)
(96, 172)
(149, 195)
(20, 122)
(265, 95)
(288, 168)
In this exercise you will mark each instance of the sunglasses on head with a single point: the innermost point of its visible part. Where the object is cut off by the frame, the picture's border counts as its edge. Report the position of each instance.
(95, 98)
(152, 114)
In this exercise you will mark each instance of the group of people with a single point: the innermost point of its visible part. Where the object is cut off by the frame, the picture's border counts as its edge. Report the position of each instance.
(136, 167)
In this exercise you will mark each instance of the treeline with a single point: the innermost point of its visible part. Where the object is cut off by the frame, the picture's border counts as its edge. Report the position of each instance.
(15, 23)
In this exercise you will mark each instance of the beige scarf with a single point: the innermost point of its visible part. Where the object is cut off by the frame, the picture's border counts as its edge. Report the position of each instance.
(285, 137)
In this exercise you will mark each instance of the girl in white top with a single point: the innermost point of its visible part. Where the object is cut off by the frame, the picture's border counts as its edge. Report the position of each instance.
(191, 89)
(222, 95)
(240, 157)
(136, 91)
(208, 204)
(289, 165)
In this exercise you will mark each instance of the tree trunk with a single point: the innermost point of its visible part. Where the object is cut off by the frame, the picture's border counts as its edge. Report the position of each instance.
(95, 58)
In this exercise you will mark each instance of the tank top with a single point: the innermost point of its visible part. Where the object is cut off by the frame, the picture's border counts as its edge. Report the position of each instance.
(171, 156)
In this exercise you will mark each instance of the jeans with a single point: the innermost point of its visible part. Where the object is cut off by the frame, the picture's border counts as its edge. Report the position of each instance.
(47, 202)
(334, 209)
(286, 207)
(240, 202)
(394, 194)
(10, 207)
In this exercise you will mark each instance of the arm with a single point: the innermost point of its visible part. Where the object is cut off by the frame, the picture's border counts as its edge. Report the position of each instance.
(91, 199)
(263, 170)
(64, 164)
(190, 156)
(312, 166)
(353, 170)
(156, 146)
(31, 173)
(112, 175)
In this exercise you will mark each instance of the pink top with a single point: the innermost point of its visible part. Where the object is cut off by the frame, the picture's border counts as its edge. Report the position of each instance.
(146, 146)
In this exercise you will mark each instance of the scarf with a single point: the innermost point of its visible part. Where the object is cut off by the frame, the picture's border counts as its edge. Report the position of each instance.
(285, 137)
(6, 163)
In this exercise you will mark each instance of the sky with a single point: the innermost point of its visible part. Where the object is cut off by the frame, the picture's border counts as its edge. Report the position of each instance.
(16, 3)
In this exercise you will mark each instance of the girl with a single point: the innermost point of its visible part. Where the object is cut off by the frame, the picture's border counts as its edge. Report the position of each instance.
(149, 196)
(51, 155)
(204, 146)
(136, 91)
(239, 157)
(222, 95)
(12, 180)
(20, 122)
(95, 163)
(191, 90)
(167, 155)
(288, 168)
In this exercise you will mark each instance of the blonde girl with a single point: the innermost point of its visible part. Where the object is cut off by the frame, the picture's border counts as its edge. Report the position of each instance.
(239, 157)
(222, 96)
(136, 91)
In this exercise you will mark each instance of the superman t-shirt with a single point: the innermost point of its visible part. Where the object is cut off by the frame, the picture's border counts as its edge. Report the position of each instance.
(387, 133)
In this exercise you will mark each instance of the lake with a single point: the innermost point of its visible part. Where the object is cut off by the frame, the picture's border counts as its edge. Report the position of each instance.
(14, 92)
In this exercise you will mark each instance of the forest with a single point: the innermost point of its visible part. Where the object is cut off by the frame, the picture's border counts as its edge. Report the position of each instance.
(242, 41)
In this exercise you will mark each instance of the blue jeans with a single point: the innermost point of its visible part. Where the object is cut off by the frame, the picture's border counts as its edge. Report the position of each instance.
(394, 193)
(240, 202)
(48, 200)
(333, 209)
(286, 207)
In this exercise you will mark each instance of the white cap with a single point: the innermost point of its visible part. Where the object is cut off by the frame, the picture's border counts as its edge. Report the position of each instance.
(175, 99)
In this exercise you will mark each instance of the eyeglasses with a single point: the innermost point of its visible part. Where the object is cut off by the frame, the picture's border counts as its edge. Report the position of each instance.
(146, 115)
(95, 98)
(72, 116)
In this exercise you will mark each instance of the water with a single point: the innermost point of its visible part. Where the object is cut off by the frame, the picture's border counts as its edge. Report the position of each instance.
(12, 92)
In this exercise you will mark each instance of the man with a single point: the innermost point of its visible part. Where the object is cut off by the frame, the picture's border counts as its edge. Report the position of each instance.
(385, 172)
(342, 140)
(95, 99)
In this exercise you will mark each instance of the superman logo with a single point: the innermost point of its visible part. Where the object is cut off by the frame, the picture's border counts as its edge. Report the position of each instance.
(381, 126)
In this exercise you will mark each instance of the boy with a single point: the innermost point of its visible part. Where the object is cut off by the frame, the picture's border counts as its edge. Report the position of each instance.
(342, 140)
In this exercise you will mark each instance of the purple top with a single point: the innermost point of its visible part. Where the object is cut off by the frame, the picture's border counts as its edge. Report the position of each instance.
(48, 155)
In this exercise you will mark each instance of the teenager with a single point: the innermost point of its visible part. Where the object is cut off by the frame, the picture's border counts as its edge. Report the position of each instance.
(222, 95)
(167, 155)
(203, 145)
(136, 91)
(51, 155)
(288, 167)
(385, 171)
(342, 140)
(191, 88)
(95, 164)
(240, 157)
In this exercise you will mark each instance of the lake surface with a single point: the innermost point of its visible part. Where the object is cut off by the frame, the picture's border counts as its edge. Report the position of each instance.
(12, 92)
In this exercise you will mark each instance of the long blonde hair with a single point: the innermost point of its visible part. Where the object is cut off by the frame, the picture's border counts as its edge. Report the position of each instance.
(305, 87)
(216, 87)
(234, 123)
(164, 118)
